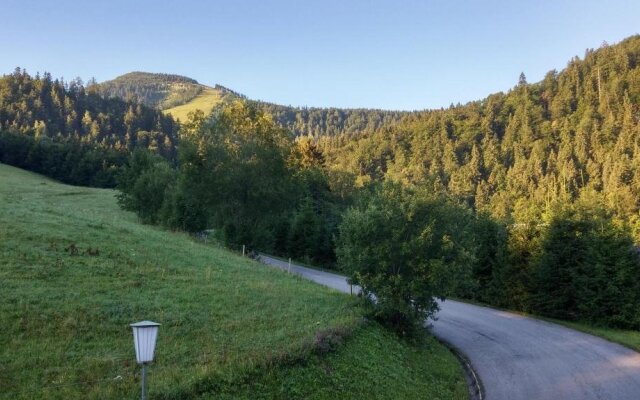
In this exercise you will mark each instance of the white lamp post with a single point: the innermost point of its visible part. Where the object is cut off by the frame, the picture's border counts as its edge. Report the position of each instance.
(145, 334)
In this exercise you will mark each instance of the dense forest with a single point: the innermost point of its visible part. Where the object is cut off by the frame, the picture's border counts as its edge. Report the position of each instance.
(574, 135)
(70, 111)
(47, 123)
(69, 161)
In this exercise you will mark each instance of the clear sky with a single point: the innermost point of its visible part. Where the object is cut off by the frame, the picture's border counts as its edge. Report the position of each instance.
(399, 54)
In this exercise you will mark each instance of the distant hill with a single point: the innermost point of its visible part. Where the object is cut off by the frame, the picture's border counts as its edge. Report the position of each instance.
(179, 95)
(154, 90)
(173, 94)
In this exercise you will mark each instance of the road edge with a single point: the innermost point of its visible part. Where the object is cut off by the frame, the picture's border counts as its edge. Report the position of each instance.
(474, 384)
(549, 320)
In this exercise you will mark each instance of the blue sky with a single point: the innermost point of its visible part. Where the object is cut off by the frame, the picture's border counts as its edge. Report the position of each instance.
(400, 54)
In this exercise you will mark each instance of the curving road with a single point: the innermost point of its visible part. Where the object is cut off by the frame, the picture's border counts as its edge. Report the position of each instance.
(518, 357)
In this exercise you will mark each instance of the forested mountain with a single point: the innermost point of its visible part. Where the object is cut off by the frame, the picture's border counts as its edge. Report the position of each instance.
(574, 135)
(162, 91)
(70, 111)
(178, 95)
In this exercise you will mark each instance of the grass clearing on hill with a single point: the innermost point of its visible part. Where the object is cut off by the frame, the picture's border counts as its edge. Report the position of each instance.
(204, 101)
(76, 271)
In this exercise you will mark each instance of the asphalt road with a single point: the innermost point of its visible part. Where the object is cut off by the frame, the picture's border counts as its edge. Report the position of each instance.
(517, 357)
(334, 281)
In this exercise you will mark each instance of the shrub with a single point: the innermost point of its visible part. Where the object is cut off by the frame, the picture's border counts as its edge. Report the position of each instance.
(405, 248)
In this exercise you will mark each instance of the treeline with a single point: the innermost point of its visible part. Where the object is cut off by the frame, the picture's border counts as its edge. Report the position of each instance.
(160, 91)
(321, 122)
(71, 162)
(164, 91)
(577, 263)
(69, 111)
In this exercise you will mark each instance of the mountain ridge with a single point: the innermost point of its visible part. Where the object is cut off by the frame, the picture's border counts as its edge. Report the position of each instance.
(179, 96)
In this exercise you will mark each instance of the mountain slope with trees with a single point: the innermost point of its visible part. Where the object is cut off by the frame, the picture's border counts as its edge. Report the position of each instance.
(574, 135)
(153, 90)
(179, 95)
(175, 95)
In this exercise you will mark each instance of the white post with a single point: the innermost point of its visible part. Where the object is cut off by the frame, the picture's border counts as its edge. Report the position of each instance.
(242, 250)
(289, 264)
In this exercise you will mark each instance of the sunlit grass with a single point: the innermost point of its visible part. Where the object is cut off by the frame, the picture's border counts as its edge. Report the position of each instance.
(205, 101)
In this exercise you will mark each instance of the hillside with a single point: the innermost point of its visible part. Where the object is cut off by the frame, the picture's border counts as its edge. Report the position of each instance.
(77, 270)
(574, 136)
(175, 95)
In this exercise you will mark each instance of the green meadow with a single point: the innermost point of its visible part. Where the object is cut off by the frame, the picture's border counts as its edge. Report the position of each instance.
(75, 271)
(205, 101)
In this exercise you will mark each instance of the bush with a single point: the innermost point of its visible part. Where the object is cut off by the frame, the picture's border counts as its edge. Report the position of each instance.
(145, 184)
(405, 248)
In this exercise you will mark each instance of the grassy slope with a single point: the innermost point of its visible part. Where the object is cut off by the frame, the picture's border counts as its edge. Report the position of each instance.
(205, 101)
(64, 317)
(371, 365)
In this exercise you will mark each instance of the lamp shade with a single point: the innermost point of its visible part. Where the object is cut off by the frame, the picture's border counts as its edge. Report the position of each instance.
(145, 334)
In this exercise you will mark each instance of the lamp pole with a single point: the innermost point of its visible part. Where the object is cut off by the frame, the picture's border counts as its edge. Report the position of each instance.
(144, 382)
(145, 334)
